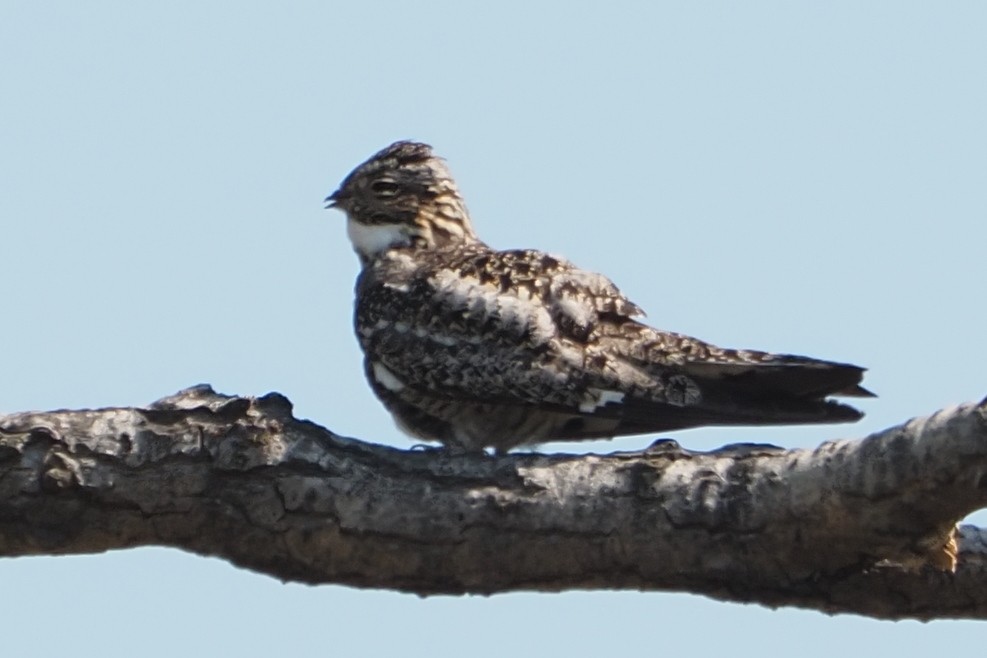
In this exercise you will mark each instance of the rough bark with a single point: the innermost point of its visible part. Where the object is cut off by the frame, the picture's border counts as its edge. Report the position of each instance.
(864, 526)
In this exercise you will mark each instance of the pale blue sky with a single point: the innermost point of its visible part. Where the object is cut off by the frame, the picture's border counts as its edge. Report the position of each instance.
(794, 176)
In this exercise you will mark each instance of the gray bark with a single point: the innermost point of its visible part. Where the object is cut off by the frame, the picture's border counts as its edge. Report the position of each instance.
(866, 527)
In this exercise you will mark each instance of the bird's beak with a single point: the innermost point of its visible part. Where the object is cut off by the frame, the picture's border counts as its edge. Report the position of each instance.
(335, 199)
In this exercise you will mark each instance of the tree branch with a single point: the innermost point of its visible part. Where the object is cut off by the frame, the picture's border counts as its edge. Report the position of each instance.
(852, 526)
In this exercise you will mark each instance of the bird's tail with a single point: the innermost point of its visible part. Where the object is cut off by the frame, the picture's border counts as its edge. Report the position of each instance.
(754, 389)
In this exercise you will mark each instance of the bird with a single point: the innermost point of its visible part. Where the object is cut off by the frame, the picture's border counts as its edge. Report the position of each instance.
(480, 349)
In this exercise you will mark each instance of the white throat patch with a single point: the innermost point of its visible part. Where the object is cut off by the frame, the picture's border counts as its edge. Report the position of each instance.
(371, 240)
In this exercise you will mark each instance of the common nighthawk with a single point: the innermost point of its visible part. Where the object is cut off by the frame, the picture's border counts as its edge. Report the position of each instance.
(476, 348)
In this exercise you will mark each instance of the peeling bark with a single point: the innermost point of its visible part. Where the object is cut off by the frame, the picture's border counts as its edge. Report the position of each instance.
(866, 527)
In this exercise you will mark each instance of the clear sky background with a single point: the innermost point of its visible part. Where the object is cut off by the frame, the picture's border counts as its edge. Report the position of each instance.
(795, 176)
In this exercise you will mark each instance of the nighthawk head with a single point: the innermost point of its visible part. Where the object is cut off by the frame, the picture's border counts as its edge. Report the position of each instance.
(403, 196)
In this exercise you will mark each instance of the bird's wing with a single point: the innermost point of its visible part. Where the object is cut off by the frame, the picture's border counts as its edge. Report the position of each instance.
(525, 328)
(511, 326)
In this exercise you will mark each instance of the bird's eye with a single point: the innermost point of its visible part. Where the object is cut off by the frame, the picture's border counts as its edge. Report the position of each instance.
(384, 189)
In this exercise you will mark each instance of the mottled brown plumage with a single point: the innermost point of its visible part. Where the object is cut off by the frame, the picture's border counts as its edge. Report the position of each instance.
(478, 348)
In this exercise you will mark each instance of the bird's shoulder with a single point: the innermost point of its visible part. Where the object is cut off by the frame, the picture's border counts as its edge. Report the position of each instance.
(501, 284)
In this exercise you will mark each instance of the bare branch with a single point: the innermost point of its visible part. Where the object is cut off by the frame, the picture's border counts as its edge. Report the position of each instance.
(852, 526)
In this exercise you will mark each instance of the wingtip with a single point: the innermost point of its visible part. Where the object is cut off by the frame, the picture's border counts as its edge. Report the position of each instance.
(855, 391)
(837, 412)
